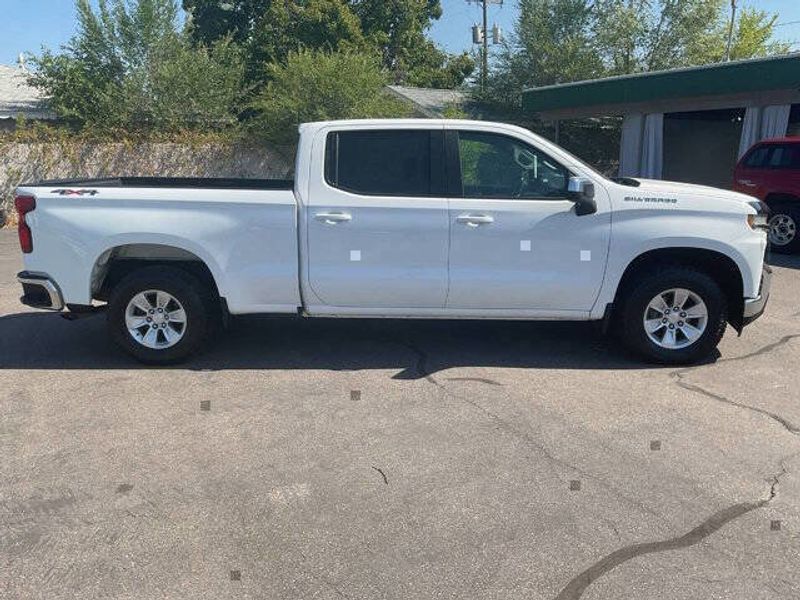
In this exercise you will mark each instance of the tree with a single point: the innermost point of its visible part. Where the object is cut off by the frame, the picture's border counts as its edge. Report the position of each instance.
(326, 25)
(752, 38)
(552, 43)
(130, 67)
(557, 41)
(650, 35)
(316, 86)
(396, 29)
(212, 20)
(268, 30)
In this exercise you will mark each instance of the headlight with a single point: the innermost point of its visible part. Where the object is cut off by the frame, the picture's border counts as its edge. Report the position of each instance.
(758, 222)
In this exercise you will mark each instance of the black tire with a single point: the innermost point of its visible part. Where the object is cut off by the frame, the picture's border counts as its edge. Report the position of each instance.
(637, 297)
(790, 215)
(196, 300)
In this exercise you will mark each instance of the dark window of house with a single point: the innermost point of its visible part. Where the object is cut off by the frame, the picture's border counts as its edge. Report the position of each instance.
(498, 166)
(380, 163)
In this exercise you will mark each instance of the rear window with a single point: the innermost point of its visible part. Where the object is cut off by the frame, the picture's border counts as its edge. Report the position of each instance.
(381, 163)
(775, 156)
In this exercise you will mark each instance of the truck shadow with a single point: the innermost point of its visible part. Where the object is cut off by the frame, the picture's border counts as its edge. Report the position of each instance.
(787, 261)
(416, 348)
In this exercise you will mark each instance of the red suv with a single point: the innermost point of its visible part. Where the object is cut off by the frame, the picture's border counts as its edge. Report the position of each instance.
(770, 171)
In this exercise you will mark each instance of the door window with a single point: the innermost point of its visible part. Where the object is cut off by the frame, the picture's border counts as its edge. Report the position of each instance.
(775, 156)
(758, 157)
(385, 162)
(785, 157)
(498, 166)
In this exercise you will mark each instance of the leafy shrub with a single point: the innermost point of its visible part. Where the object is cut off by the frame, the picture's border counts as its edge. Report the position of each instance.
(320, 86)
(129, 67)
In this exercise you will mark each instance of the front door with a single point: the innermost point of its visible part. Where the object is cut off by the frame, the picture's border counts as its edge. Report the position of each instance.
(516, 242)
(377, 224)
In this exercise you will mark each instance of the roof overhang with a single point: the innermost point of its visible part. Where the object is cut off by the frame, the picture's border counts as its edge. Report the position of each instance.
(728, 85)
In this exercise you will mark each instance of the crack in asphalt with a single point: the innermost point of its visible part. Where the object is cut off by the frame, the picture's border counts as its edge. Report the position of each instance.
(678, 377)
(385, 479)
(421, 368)
(788, 425)
(578, 585)
(763, 350)
(475, 380)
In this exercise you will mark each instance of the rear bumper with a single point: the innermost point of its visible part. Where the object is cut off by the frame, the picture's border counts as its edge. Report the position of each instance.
(754, 307)
(39, 291)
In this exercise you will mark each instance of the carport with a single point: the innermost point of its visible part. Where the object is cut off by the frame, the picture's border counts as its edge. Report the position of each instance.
(684, 124)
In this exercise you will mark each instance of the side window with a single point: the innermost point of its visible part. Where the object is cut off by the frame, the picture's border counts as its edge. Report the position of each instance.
(758, 158)
(380, 162)
(785, 157)
(498, 166)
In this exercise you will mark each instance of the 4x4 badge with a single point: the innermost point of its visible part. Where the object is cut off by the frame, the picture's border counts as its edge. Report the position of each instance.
(65, 192)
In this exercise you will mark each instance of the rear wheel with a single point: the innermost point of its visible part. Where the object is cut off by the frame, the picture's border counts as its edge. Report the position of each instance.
(160, 315)
(783, 224)
(676, 315)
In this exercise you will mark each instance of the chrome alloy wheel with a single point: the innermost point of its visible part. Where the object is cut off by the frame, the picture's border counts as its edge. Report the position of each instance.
(675, 319)
(155, 319)
(782, 229)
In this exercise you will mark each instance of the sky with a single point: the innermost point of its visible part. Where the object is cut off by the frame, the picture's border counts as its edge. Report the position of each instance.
(27, 25)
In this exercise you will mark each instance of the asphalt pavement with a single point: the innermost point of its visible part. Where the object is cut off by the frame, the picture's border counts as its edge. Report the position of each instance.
(330, 459)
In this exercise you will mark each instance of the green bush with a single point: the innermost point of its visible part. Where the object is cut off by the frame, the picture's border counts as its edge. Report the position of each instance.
(130, 68)
(320, 86)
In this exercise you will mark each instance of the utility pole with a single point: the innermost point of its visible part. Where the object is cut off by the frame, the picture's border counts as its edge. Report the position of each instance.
(485, 59)
(730, 31)
(480, 35)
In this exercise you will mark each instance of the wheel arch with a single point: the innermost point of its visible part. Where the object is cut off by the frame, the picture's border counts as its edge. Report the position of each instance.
(118, 261)
(719, 266)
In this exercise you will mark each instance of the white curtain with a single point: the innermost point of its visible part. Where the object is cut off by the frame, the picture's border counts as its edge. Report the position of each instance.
(751, 129)
(761, 122)
(653, 146)
(630, 147)
(775, 121)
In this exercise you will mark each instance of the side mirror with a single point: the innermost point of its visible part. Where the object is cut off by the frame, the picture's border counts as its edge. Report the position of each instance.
(581, 192)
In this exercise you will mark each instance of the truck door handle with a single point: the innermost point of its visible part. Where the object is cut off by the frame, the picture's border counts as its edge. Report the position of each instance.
(475, 220)
(747, 182)
(333, 218)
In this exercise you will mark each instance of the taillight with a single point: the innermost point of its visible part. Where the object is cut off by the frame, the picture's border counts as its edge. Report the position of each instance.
(24, 205)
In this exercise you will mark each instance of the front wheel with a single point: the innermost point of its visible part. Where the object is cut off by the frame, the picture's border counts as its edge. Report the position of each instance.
(160, 315)
(675, 315)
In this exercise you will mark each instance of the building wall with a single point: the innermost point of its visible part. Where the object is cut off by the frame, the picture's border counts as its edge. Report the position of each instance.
(22, 162)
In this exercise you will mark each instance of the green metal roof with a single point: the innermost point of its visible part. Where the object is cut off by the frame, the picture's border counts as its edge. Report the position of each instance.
(746, 76)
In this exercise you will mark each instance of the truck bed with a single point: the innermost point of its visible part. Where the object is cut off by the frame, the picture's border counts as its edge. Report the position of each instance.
(171, 182)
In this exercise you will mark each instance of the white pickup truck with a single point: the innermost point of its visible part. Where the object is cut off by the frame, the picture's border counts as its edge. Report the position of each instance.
(401, 219)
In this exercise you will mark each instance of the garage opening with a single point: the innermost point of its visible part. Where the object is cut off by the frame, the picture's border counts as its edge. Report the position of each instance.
(702, 146)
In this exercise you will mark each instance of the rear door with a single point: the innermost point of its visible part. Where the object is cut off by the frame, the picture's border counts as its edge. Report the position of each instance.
(516, 242)
(377, 224)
